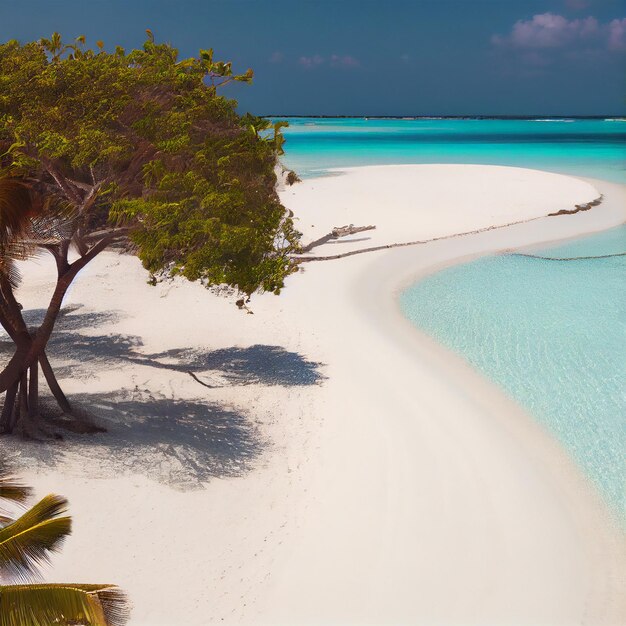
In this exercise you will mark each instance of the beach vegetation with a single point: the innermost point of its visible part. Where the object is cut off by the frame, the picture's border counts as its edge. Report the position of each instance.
(26, 542)
(136, 148)
(293, 178)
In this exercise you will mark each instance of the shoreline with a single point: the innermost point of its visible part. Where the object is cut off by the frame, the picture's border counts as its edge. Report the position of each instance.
(384, 303)
(373, 486)
(522, 237)
(577, 511)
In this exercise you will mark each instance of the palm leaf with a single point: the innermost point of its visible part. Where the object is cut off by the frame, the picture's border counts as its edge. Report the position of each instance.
(10, 487)
(26, 543)
(29, 222)
(62, 604)
(16, 208)
(10, 252)
(5, 521)
(55, 222)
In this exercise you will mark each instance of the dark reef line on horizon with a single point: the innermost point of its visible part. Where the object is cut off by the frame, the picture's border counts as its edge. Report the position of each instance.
(452, 117)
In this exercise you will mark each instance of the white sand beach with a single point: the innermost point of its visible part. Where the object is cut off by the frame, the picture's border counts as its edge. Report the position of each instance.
(320, 461)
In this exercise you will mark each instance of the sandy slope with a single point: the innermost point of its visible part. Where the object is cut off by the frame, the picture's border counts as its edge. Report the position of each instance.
(354, 473)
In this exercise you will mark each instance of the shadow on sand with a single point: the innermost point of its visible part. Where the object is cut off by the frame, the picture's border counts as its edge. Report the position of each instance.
(257, 364)
(182, 443)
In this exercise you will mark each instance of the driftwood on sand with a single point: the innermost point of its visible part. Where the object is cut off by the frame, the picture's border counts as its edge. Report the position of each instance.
(342, 231)
(337, 233)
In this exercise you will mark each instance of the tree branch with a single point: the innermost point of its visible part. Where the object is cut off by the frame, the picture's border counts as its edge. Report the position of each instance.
(306, 259)
(336, 233)
(63, 183)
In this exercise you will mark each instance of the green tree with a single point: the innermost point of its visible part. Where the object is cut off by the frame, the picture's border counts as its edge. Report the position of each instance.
(138, 145)
(25, 543)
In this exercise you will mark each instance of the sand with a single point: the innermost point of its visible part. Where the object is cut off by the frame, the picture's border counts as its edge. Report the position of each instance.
(326, 464)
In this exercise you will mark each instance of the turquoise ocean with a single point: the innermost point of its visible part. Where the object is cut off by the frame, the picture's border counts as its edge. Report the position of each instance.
(552, 334)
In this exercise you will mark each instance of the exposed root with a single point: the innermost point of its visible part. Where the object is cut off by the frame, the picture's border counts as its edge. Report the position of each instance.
(78, 422)
(36, 429)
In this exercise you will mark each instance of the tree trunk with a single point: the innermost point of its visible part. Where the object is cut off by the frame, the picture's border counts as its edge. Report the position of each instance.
(21, 401)
(23, 393)
(33, 391)
(53, 384)
(22, 398)
(6, 418)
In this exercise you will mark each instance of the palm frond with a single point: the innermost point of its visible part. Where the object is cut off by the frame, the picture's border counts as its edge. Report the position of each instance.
(10, 487)
(16, 208)
(55, 223)
(12, 251)
(28, 222)
(5, 521)
(26, 543)
(39, 605)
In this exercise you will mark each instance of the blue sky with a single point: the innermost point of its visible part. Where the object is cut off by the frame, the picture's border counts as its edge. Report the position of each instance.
(369, 57)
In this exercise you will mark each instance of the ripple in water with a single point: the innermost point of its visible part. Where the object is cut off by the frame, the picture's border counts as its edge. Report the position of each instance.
(553, 335)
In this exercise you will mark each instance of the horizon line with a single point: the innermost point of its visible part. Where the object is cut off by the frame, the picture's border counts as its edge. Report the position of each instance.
(413, 117)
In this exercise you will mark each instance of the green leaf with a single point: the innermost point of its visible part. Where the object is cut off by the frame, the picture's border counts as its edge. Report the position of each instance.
(26, 543)
(207, 55)
(208, 210)
(63, 604)
(11, 488)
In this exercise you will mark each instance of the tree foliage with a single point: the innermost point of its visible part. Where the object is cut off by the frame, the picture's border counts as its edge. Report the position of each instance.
(98, 146)
(143, 139)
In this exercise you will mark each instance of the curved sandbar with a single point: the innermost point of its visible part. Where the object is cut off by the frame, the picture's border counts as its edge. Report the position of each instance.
(409, 202)
(404, 489)
(439, 501)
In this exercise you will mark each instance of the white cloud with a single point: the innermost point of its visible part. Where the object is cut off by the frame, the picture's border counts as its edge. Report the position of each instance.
(312, 61)
(548, 38)
(548, 30)
(617, 34)
(345, 61)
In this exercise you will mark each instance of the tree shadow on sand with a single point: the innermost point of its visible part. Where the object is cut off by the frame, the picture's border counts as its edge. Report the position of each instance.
(177, 442)
(257, 364)
(182, 443)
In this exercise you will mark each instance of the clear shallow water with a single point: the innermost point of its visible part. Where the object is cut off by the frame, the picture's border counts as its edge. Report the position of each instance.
(551, 334)
(593, 148)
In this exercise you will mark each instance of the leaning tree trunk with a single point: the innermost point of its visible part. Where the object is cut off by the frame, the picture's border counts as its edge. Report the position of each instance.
(21, 409)
(8, 410)
(20, 377)
(53, 384)
(21, 403)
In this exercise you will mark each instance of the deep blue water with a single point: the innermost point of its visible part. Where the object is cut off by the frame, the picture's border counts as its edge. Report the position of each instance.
(593, 148)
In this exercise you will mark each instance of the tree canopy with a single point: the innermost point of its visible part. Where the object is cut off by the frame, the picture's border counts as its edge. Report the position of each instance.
(142, 139)
(98, 147)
